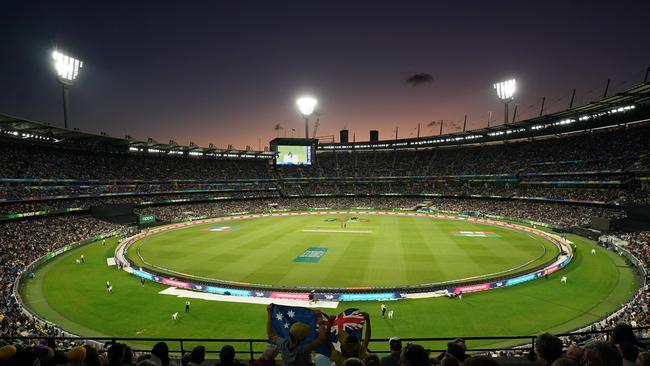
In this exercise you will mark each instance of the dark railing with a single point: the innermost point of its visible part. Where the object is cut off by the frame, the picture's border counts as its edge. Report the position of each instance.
(523, 342)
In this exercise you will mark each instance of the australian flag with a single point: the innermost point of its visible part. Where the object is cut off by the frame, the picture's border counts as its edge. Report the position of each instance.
(283, 317)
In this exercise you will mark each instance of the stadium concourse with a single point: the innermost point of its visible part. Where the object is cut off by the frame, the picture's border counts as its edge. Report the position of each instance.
(566, 182)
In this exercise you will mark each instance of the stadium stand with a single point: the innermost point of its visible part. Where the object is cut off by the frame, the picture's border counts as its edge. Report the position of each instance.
(565, 180)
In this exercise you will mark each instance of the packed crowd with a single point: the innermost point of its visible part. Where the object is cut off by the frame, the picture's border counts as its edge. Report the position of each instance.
(605, 150)
(14, 191)
(461, 189)
(28, 161)
(621, 153)
(86, 203)
(551, 213)
(179, 212)
(364, 188)
(23, 242)
(621, 347)
(636, 312)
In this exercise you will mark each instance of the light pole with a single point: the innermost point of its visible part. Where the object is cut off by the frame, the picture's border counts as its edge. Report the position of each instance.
(506, 91)
(306, 106)
(67, 70)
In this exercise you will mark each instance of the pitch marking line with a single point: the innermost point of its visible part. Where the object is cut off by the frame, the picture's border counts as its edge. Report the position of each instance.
(244, 299)
(353, 231)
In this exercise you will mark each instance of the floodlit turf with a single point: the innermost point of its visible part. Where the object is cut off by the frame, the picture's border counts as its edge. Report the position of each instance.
(374, 251)
(74, 297)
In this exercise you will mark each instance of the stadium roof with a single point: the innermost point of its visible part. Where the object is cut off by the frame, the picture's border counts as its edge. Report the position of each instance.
(22, 128)
(633, 103)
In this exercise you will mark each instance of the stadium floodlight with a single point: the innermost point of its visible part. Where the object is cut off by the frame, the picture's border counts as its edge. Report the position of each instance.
(505, 92)
(67, 70)
(306, 106)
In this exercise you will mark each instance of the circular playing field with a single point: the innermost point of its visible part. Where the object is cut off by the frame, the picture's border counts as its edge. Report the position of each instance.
(73, 296)
(341, 250)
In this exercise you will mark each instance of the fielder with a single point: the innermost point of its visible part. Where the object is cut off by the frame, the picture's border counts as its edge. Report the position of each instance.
(175, 316)
(593, 251)
(563, 279)
(390, 314)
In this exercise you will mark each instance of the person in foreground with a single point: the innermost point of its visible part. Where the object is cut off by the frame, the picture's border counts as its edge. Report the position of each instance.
(294, 351)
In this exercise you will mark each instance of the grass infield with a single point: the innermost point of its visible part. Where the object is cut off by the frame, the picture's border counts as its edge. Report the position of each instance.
(74, 297)
(357, 250)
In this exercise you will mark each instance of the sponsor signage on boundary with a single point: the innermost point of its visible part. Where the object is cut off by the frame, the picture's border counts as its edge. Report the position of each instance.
(561, 262)
(483, 234)
(521, 279)
(289, 295)
(472, 288)
(175, 283)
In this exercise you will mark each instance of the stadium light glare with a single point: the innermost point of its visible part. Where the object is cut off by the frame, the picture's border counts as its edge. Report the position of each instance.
(506, 92)
(67, 67)
(506, 89)
(67, 70)
(306, 106)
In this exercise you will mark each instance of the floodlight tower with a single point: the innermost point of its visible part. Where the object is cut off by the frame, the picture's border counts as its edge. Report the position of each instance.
(506, 91)
(306, 106)
(67, 70)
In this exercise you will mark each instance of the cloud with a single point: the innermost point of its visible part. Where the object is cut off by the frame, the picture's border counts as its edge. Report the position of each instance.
(419, 79)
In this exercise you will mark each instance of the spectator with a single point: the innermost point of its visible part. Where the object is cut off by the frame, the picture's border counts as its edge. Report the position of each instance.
(414, 355)
(480, 360)
(643, 359)
(293, 350)
(353, 361)
(197, 356)
(602, 353)
(160, 354)
(548, 348)
(227, 356)
(268, 356)
(395, 347)
(76, 355)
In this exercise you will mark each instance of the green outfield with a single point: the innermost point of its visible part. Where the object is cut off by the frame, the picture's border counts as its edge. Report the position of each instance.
(342, 250)
(74, 296)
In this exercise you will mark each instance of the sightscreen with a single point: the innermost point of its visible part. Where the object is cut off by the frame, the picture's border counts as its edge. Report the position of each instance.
(293, 155)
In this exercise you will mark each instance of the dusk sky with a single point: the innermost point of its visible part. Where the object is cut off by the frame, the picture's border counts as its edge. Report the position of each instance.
(228, 72)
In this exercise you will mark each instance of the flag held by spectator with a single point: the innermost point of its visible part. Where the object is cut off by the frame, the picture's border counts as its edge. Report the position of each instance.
(283, 319)
(349, 321)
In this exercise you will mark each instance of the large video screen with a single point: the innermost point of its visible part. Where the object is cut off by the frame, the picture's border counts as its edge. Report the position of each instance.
(293, 155)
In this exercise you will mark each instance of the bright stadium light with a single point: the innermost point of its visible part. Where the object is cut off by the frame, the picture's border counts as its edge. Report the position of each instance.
(306, 106)
(505, 92)
(67, 70)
